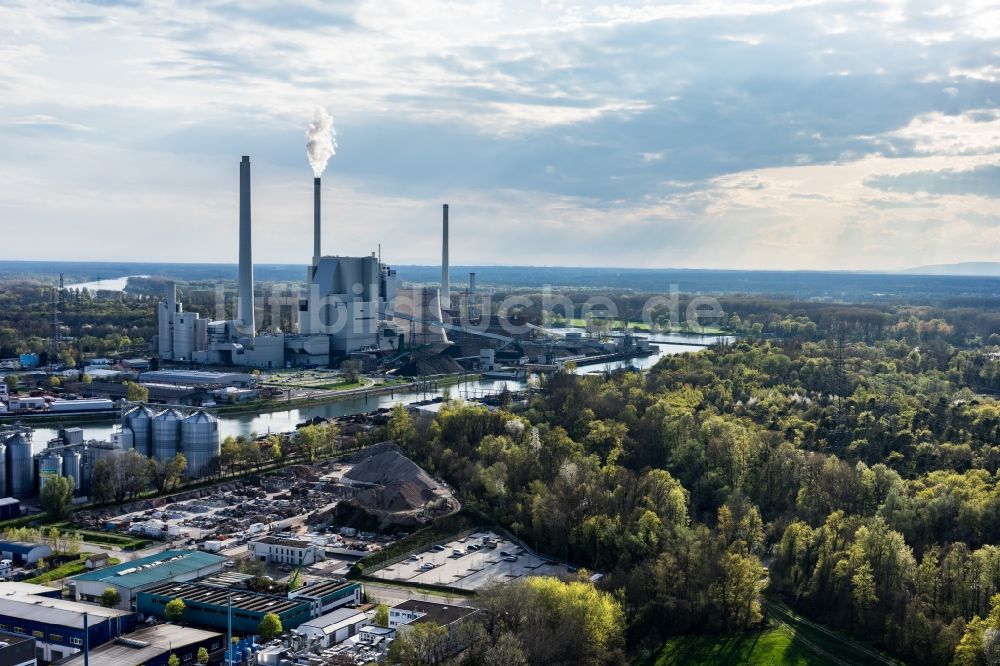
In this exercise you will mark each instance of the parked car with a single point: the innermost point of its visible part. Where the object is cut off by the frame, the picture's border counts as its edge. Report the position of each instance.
(438, 548)
(426, 566)
(510, 558)
(457, 552)
(414, 558)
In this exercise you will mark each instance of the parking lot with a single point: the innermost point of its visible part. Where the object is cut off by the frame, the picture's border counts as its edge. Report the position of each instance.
(459, 564)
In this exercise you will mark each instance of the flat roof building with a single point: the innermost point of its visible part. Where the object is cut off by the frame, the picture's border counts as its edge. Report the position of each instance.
(296, 552)
(152, 646)
(131, 577)
(326, 595)
(208, 606)
(17, 650)
(333, 628)
(57, 625)
(197, 378)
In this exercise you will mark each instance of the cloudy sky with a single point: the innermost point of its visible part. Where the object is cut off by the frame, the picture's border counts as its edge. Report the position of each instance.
(702, 133)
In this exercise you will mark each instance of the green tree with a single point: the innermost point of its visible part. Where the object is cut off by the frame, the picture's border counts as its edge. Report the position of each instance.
(110, 597)
(737, 591)
(87, 379)
(11, 381)
(174, 610)
(350, 370)
(202, 655)
(173, 660)
(57, 496)
(423, 644)
(269, 627)
(136, 392)
(381, 616)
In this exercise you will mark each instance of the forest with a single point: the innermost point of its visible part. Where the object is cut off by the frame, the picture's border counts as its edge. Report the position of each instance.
(854, 477)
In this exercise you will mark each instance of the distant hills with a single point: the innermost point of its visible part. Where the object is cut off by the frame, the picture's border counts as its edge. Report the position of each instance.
(966, 268)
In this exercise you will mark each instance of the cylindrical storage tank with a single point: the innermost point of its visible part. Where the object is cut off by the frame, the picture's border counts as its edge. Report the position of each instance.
(200, 441)
(140, 421)
(20, 467)
(166, 434)
(3, 471)
(71, 469)
(50, 465)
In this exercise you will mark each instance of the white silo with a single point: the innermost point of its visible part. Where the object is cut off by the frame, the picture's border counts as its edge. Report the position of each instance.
(20, 467)
(71, 468)
(166, 434)
(139, 421)
(3, 470)
(200, 441)
(50, 465)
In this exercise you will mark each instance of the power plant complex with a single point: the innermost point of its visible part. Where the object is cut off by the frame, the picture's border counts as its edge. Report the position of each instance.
(350, 304)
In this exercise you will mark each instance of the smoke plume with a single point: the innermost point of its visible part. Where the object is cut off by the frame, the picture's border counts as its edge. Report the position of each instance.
(321, 142)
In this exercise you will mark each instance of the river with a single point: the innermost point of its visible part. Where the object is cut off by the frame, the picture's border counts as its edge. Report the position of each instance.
(110, 284)
(286, 420)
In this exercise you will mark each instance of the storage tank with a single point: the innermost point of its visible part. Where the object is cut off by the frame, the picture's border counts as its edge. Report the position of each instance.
(71, 469)
(20, 467)
(166, 434)
(3, 470)
(50, 465)
(140, 421)
(200, 441)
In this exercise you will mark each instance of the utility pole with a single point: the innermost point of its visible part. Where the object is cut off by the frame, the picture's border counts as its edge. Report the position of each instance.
(229, 630)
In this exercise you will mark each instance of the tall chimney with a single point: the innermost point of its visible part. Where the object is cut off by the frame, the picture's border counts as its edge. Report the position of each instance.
(472, 283)
(316, 224)
(245, 305)
(445, 285)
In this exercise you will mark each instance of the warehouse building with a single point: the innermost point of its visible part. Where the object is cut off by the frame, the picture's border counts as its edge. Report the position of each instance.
(152, 646)
(325, 596)
(129, 578)
(9, 508)
(208, 606)
(17, 650)
(333, 628)
(57, 625)
(296, 552)
(24, 552)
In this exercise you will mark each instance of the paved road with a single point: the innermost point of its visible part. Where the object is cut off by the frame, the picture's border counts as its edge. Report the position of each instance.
(391, 595)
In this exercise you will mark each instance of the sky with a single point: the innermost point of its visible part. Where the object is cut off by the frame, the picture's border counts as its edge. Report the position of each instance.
(754, 134)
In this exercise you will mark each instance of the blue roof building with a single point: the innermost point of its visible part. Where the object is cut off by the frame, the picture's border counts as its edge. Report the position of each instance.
(129, 578)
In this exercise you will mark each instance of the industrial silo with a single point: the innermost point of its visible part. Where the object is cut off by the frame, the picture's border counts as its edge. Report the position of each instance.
(20, 467)
(50, 465)
(166, 434)
(139, 421)
(3, 470)
(71, 468)
(200, 441)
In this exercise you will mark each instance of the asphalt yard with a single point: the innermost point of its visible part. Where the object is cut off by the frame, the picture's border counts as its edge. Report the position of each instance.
(460, 564)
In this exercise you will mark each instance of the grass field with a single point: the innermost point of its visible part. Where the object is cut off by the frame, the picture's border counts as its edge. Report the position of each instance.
(769, 647)
(72, 568)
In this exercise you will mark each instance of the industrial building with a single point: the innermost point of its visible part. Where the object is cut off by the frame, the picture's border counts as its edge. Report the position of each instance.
(335, 627)
(9, 508)
(57, 625)
(296, 552)
(17, 650)
(130, 578)
(209, 606)
(24, 552)
(152, 646)
(327, 595)
(349, 305)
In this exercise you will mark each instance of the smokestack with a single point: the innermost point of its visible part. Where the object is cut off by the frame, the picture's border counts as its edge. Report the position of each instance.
(245, 306)
(445, 285)
(316, 224)
(472, 283)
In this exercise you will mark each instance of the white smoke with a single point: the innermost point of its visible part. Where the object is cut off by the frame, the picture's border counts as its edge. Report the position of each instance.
(322, 140)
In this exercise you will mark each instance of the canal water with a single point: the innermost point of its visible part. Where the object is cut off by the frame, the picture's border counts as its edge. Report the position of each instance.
(286, 420)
